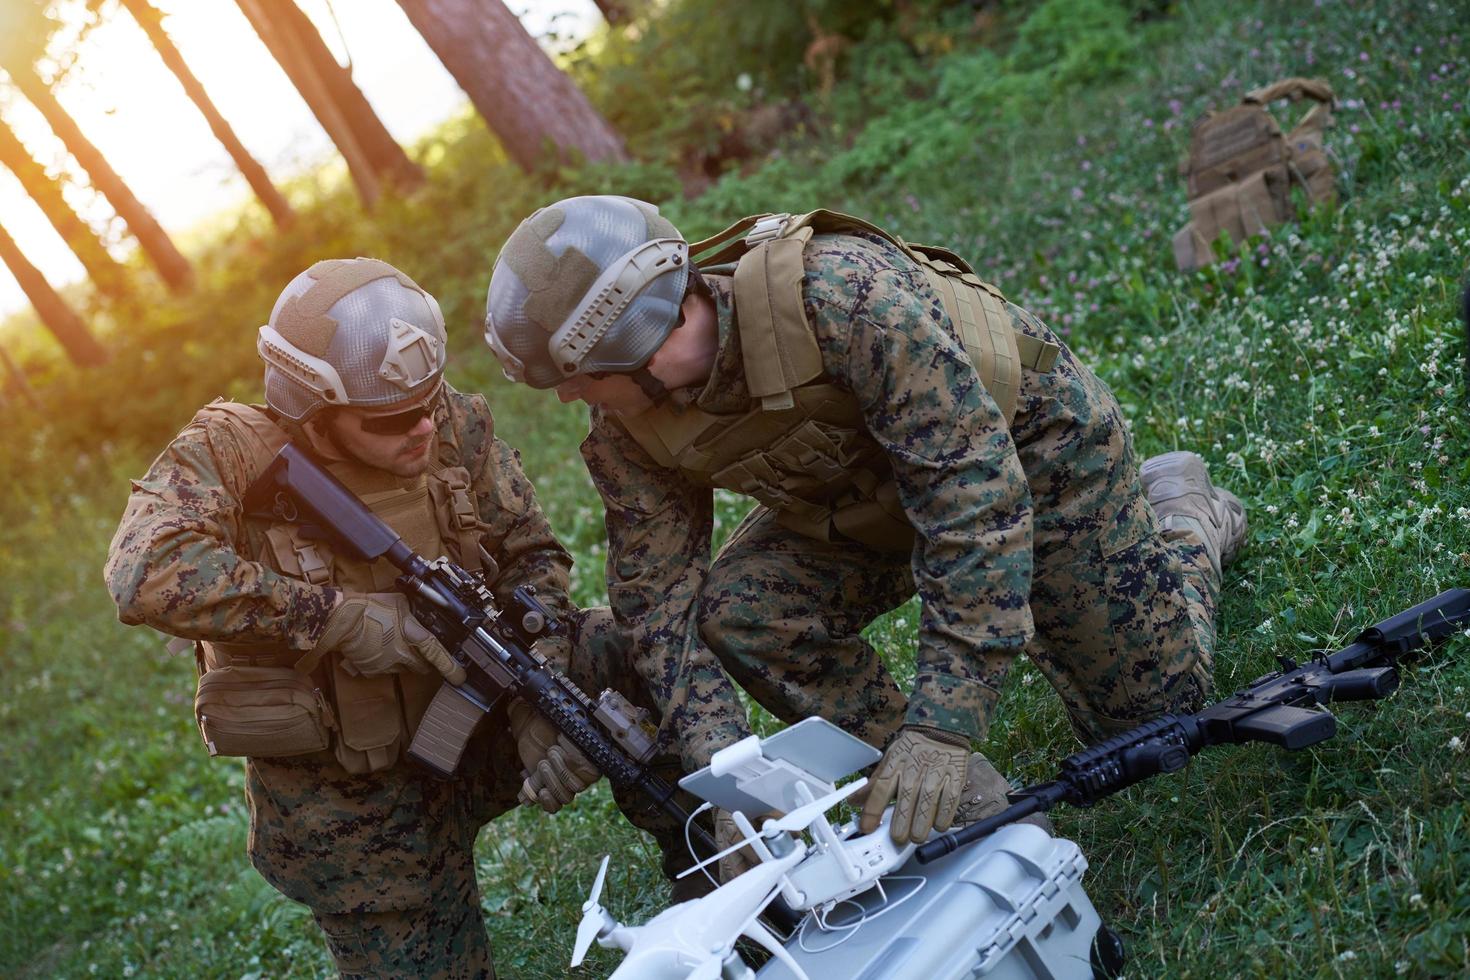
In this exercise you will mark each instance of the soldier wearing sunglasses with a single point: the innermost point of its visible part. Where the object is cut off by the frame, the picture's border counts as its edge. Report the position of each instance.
(311, 666)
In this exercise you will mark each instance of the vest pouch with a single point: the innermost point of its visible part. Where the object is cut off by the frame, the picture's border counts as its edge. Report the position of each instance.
(1191, 251)
(816, 451)
(1244, 209)
(262, 712)
(878, 522)
(369, 720)
(755, 476)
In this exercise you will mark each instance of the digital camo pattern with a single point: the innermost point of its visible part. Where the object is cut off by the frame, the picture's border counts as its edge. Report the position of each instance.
(1034, 537)
(383, 859)
(184, 561)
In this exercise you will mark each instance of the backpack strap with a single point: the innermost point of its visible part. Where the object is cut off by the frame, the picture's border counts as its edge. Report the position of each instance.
(1294, 89)
(729, 244)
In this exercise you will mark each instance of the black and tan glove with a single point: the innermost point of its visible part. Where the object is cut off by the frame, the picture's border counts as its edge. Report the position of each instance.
(727, 834)
(555, 769)
(377, 634)
(922, 773)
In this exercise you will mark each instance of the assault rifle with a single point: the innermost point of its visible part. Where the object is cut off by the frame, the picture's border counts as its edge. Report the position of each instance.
(1275, 709)
(495, 647)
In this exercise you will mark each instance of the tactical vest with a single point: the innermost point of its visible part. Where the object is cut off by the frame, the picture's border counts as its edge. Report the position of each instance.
(1240, 168)
(802, 449)
(372, 718)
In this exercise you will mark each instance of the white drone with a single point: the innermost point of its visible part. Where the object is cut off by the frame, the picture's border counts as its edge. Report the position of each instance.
(791, 773)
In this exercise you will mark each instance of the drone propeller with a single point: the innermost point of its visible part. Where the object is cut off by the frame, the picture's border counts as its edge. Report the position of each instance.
(799, 818)
(593, 916)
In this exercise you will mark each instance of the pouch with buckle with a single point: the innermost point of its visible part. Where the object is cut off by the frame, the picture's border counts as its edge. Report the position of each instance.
(263, 712)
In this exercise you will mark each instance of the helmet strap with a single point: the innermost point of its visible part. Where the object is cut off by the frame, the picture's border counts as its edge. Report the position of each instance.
(698, 284)
(655, 389)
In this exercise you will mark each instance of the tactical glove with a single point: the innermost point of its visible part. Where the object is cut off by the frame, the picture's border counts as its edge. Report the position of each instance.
(555, 769)
(377, 634)
(736, 863)
(923, 774)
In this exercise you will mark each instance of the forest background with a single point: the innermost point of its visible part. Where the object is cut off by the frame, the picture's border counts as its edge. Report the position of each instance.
(1315, 368)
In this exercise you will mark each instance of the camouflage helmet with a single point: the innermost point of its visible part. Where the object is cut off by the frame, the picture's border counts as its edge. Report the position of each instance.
(585, 285)
(350, 332)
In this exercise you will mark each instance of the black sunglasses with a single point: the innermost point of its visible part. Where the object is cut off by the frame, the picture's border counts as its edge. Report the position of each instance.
(398, 423)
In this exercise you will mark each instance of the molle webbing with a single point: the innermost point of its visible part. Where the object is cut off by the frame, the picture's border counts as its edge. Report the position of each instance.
(814, 463)
(1241, 168)
(778, 346)
(802, 449)
(435, 514)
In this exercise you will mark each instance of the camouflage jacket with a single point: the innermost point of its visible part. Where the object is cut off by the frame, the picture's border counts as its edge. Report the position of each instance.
(180, 563)
(884, 337)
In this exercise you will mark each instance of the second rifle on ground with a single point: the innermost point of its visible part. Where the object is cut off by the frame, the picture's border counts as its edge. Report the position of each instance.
(1281, 708)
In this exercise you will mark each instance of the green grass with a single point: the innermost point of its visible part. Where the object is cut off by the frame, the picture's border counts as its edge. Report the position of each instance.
(1318, 372)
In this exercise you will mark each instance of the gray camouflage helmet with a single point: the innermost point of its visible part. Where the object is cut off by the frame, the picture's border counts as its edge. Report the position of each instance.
(585, 285)
(351, 332)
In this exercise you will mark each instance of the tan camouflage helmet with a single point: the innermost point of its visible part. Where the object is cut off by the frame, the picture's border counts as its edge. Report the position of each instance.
(351, 332)
(589, 284)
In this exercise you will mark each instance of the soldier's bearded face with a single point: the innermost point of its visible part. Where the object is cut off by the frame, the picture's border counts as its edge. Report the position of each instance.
(616, 393)
(406, 454)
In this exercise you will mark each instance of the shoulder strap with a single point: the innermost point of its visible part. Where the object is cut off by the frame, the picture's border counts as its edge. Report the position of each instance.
(260, 437)
(781, 352)
(777, 345)
(732, 240)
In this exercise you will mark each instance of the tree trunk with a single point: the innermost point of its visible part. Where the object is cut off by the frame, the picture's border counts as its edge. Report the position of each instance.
(615, 12)
(527, 101)
(150, 234)
(151, 21)
(285, 46)
(107, 273)
(17, 385)
(371, 153)
(59, 318)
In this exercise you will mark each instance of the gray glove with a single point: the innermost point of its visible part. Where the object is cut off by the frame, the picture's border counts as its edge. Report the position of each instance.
(377, 634)
(555, 769)
(922, 773)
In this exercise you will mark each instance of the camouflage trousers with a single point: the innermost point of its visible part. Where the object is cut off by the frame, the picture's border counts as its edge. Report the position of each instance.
(385, 860)
(1124, 614)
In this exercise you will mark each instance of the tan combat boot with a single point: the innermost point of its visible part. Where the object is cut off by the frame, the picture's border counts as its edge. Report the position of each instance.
(1182, 495)
(984, 795)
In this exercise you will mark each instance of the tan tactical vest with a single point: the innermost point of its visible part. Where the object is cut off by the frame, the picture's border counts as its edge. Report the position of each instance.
(802, 449)
(434, 513)
(1240, 168)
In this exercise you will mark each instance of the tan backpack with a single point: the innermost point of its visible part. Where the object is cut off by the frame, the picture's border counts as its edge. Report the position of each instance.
(1241, 168)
